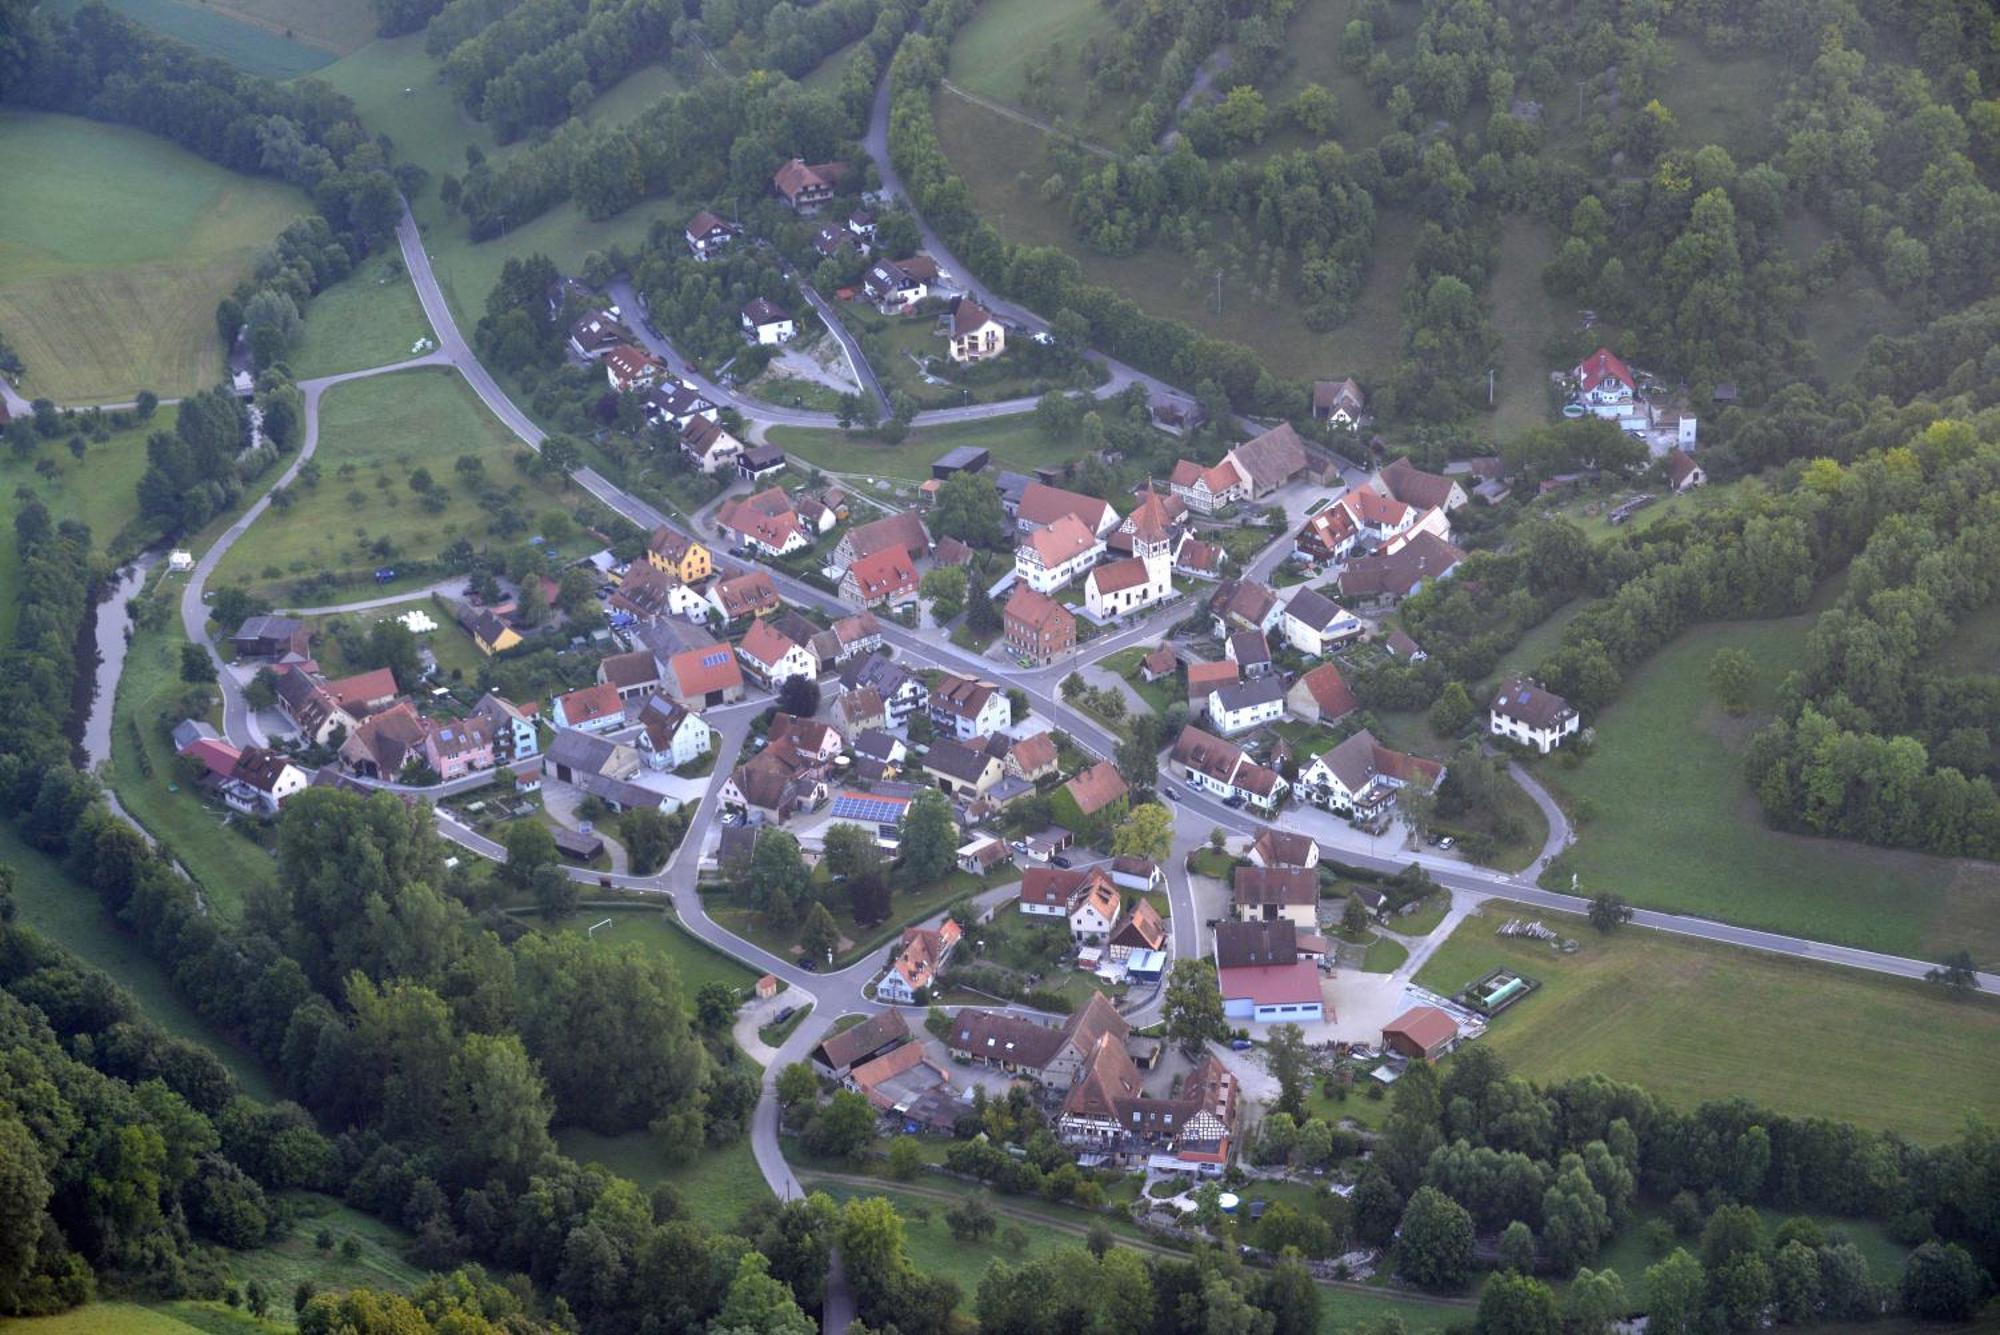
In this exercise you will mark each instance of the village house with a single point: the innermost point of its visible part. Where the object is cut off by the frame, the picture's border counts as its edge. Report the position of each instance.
(1159, 663)
(596, 335)
(750, 594)
(1041, 505)
(1267, 894)
(1094, 912)
(805, 189)
(1321, 695)
(647, 594)
(1031, 758)
(1048, 892)
(758, 462)
(904, 530)
(273, 637)
(1251, 653)
(1137, 873)
(1269, 461)
(775, 783)
(1243, 605)
(1051, 557)
(1207, 489)
(960, 770)
(1283, 848)
(768, 324)
(903, 692)
(385, 743)
(1523, 711)
(679, 555)
(1140, 929)
(708, 235)
(1199, 559)
(1203, 679)
(1360, 777)
(883, 578)
(975, 334)
(364, 693)
(1419, 490)
(1241, 706)
(1683, 473)
(1390, 576)
(630, 370)
(1315, 624)
(262, 782)
(455, 748)
(1095, 788)
(821, 742)
(838, 1053)
(982, 854)
(1123, 587)
(1400, 646)
(917, 962)
(671, 735)
(575, 757)
(765, 523)
(632, 675)
(673, 404)
(706, 676)
(1219, 767)
(770, 656)
(834, 242)
(514, 734)
(1338, 402)
(862, 710)
(1037, 627)
(310, 708)
(593, 709)
(964, 707)
(1604, 384)
(897, 285)
(1053, 1055)
(1327, 536)
(710, 447)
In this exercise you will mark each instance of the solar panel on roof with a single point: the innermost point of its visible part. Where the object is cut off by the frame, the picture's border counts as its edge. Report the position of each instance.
(716, 659)
(874, 810)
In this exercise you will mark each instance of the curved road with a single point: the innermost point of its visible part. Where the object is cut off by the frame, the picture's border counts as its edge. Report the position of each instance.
(843, 992)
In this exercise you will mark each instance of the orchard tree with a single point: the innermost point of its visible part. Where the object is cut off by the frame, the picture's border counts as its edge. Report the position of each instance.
(819, 937)
(930, 838)
(1512, 1303)
(1731, 678)
(1148, 832)
(1609, 911)
(1435, 1250)
(1193, 1008)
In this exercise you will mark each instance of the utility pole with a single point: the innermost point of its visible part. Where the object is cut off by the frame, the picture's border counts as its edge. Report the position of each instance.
(1218, 292)
(1489, 387)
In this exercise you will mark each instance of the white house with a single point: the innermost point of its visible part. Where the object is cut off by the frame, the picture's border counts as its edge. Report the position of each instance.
(1360, 776)
(1683, 473)
(1314, 623)
(670, 735)
(770, 656)
(1094, 912)
(963, 708)
(1604, 384)
(1051, 557)
(1208, 488)
(975, 334)
(769, 324)
(1243, 705)
(261, 781)
(1524, 712)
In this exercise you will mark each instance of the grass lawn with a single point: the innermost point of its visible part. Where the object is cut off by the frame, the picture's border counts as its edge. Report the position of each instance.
(120, 1318)
(1723, 96)
(373, 435)
(1668, 821)
(658, 931)
(370, 318)
(717, 1185)
(992, 52)
(294, 1255)
(275, 38)
(1014, 442)
(1425, 920)
(66, 911)
(221, 859)
(1692, 1021)
(1529, 651)
(110, 268)
(1525, 315)
(825, 77)
(1384, 956)
(457, 656)
(776, 1034)
(1313, 41)
(101, 491)
(1589, 512)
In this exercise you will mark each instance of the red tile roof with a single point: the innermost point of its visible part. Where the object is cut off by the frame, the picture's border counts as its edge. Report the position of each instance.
(592, 702)
(710, 668)
(1293, 984)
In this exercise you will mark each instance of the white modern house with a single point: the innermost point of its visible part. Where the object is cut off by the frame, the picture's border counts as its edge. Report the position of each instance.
(1524, 712)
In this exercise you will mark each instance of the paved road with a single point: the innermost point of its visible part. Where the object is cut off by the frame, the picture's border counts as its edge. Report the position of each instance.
(453, 587)
(239, 721)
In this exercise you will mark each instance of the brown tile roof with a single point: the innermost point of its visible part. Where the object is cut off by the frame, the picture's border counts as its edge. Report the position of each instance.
(1273, 458)
(1006, 1038)
(851, 1045)
(884, 574)
(592, 702)
(1680, 466)
(1063, 540)
(625, 671)
(962, 696)
(1043, 504)
(710, 668)
(1426, 1026)
(763, 643)
(1141, 929)
(1033, 754)
(670, 544)
(1522, 699)
(1205, 677)
(1117, 576)
(352, 693)
(1221, 477)
(747, 594)
(1329, 691)
(905, 530)
(1108, 1079)
(1283, 848)
(1290, 886)
(1414, 487)
(1248, 944)
(1035, 609)
(1054, 887)
(1331, 394)
(1097, 787)
(1426, 556)
(969, 317)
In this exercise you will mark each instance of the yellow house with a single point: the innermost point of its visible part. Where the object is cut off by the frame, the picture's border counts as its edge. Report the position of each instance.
(490, 633)
(679, 555)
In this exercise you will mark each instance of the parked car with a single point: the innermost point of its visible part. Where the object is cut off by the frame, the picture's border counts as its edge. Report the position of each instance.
(785, 1014)
(1240, 1045)
(1059, 861)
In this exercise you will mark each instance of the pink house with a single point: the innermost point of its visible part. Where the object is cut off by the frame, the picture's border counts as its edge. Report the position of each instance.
(457, 747)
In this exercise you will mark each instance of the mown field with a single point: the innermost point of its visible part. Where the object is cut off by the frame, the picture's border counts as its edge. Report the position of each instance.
(992, 53)
(1015, 443)
(1692, 1021)
(374, 435)
(278, 39)
(716, 1185)
(111, 266)
(651, 928)
(1665, 818)
(370, 318)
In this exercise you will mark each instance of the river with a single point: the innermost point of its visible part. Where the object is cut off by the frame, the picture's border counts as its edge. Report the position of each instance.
(110, 634)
